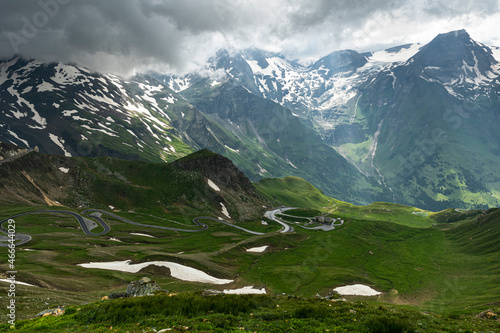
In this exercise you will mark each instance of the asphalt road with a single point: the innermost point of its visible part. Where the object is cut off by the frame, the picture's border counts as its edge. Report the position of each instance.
(89, 214)
(271, 214)
(79, 218)
(227, 223)
(10, 159)
(195, 220)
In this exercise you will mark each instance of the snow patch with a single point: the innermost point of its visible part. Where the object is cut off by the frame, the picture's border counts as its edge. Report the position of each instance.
(170, 99)
(26, 90)
(213, 186)
(231, 149)
(67, 74)
(248, 290)
(357, 290)
(20, 100)
(68, 113)
(64, 170)
(102, 99)
(224, 210)
(46, 86)
(258, 249)
(17, 137)
(3, 70)
(177, 271)
(17, 282)
(496, 53)
(60, 143)
(178, 84)
(400, 56)
(139, 234)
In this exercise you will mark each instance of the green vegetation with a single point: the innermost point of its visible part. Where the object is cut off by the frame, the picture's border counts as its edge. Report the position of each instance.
(444, 263)
(180, 187)
(233, 313)
(296, 192)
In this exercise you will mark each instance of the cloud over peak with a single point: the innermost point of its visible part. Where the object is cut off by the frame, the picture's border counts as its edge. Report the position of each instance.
(125, 36)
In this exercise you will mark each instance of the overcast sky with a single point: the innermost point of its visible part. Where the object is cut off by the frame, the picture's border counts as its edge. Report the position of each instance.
(125, 36)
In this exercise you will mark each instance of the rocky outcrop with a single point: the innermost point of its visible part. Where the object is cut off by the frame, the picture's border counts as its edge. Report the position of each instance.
(488, 314)
(236, 191)
(143, 287)
(51, 312)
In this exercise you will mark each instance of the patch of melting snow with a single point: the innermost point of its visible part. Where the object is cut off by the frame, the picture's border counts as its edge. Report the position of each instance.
(60, 143)
(68, 113)
(177, 271)
(213, 186)
(46, 86)
(17, 282)
(248, 290)
(115, 239)
(139, 234)
(258, 249)
(64, 170)
(357, 290)
(111, 207)
(17, 137)
(224, 210)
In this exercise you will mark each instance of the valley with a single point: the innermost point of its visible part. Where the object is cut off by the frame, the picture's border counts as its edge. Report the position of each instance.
(358, 192)
(399, 125)
(425, 261)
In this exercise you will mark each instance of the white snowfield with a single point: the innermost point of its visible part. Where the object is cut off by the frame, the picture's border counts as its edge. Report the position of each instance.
(213, 186)
(400, 56)
(64, 170)
(258, 249)
(357, 290)
(177, 271)
(248, 290)
(224, 210)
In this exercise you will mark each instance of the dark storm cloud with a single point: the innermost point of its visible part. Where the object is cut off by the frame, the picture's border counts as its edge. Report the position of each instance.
(126, 35)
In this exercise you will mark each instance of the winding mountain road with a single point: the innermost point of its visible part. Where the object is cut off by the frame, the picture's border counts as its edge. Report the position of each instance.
(84, 221)
(26, 238)
(271, 214)
(96, 214)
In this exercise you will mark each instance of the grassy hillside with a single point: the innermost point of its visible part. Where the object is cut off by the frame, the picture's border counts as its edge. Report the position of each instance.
(181, 187)
(232, 313)
(296, 192)
(445, 262)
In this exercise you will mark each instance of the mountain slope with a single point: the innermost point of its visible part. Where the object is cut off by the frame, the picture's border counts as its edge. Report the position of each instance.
(421, 119)
(66, 109)
(201, 183)
(432, 125)
(271, 142)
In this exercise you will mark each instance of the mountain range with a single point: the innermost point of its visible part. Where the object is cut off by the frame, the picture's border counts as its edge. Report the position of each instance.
(415, 124)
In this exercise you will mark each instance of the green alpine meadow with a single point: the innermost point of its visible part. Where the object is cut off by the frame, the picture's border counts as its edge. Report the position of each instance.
(433, 271)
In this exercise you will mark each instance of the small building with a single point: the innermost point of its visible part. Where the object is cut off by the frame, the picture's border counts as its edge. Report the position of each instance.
(323, 219)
